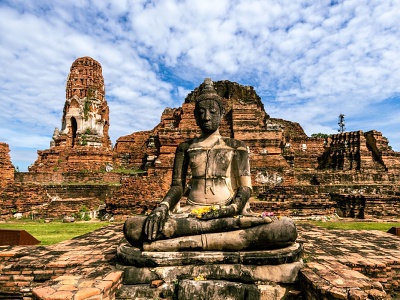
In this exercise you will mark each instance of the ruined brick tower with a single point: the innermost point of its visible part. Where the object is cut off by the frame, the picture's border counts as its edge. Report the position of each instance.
(6, 167)
(83, 143)
(85, 120)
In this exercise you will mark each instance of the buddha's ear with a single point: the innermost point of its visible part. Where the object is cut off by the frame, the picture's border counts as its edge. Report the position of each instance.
(196, 117)
(195, 113)
(222, 112)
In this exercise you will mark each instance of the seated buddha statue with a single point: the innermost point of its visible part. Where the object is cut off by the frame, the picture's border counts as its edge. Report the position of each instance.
(217, 214)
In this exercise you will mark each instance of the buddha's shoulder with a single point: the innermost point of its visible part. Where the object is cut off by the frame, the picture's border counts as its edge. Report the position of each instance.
(235, 144)
(185, 145)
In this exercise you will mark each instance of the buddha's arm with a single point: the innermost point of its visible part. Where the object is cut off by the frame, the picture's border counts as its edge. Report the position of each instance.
(178, 177)
(156, 220)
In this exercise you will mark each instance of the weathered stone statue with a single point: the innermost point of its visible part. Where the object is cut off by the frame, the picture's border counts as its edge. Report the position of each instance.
(217, 215)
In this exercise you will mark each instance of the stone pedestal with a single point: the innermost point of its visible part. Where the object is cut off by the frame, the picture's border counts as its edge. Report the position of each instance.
(267, 274)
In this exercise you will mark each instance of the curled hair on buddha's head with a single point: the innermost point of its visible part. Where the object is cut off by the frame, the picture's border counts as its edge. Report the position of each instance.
(209, 93)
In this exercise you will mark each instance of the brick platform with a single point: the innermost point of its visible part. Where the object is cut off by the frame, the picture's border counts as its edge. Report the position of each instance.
(81, 268)
(350, 264)
(339, 265)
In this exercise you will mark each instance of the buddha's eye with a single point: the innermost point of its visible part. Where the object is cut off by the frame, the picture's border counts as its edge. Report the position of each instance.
(213, 110)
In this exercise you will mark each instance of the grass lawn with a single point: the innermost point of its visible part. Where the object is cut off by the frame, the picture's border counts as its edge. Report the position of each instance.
(54, 232)
(382, 226)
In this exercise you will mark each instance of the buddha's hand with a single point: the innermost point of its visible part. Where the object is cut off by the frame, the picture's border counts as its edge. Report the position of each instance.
(155, 222)
(235, 208)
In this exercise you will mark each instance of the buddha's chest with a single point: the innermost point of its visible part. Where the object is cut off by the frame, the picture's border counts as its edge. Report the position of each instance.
(210, 163)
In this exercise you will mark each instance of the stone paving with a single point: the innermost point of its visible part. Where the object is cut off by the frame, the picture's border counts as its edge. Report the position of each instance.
(339, 265)
(80, 268)
(350, 264)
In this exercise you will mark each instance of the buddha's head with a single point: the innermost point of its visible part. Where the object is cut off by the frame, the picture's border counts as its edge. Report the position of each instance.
(209, 109)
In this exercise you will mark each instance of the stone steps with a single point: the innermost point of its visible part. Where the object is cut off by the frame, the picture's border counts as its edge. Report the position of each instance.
(333, 280)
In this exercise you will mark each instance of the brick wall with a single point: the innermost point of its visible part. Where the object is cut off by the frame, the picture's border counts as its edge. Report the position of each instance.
(138, 194)
(77, 159)
(68, 177)
(21, 198)
(52, 201)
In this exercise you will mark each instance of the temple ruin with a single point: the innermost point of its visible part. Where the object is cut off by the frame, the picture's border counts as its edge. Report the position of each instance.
(83, 142)
(292, 173)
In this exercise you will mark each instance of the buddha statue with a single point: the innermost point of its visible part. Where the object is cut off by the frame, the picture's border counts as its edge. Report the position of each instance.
(217, 214)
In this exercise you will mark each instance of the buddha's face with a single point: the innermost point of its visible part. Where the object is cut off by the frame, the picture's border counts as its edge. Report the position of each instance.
(208, 116)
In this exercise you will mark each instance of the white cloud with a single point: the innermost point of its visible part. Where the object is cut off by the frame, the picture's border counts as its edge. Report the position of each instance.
(308, 60)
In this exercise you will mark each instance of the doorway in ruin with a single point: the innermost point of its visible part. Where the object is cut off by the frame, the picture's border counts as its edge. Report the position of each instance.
(74, 127)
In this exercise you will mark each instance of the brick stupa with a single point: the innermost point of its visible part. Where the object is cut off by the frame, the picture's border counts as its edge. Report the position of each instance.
(83, 142)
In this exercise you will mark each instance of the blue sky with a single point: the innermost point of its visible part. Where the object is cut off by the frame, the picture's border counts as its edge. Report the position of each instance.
(308, 60)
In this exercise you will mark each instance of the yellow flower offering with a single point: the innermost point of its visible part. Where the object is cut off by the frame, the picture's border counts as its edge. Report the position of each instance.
(200, 277)
(199, 212)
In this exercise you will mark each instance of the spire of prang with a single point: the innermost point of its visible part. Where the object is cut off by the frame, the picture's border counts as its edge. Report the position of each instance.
(85, 120)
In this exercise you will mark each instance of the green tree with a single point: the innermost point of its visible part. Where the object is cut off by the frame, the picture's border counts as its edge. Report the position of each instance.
(320, 135)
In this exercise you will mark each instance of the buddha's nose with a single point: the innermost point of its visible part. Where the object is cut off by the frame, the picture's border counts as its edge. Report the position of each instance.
(207, 116)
